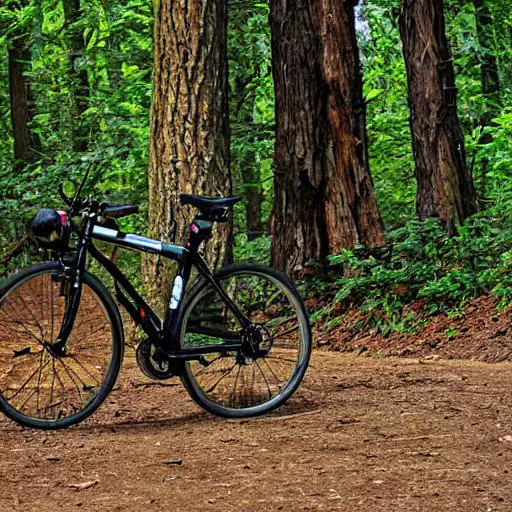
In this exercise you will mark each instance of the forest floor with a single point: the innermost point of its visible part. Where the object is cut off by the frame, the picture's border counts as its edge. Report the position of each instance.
(479, 332)
(365, 434)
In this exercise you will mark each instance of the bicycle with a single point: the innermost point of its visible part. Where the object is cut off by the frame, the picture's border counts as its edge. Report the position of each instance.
(239, 339)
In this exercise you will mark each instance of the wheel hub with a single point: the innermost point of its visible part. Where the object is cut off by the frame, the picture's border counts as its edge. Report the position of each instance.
(256, 343)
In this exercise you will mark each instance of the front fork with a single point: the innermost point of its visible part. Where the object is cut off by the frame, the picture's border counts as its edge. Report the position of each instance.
(73, 289)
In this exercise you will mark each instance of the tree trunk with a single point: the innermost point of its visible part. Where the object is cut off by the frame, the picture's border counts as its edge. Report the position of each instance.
(489, 76)
(301, 160)
(351, 210)
(189, 150)
(26, 142)
(324, 198)
(80, 78)
(445, 185)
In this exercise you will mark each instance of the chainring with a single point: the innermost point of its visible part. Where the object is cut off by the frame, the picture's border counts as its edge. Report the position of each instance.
(149, 366)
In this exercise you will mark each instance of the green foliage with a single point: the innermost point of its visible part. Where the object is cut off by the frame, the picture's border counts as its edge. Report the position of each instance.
(257, 250)
(385, 92)
(426, 272)
(251, 102)
(118, 60)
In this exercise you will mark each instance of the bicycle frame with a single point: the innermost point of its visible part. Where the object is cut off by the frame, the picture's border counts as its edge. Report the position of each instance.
(165, 334)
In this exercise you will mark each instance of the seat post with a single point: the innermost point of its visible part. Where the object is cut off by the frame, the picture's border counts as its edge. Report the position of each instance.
(200, 231)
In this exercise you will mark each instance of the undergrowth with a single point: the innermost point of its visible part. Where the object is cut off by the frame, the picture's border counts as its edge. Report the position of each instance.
(423, 272)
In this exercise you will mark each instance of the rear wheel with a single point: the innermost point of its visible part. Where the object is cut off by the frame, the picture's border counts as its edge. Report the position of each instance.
(37, 388)
(275, 351)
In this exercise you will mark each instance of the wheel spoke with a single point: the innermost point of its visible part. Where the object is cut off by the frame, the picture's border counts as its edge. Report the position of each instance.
(210, 390)
(24, 385)
(264, 378)
(22, 325)
(35, 384)
(273, 374)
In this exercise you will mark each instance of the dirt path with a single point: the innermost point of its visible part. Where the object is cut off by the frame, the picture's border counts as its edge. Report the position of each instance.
(361, 434)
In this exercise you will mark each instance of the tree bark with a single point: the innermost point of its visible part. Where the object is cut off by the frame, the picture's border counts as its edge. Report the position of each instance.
(302, 157)
(80, 78)
(324, 198)
(351, 209)
(445, 185)
(189, 149)
(26, 142)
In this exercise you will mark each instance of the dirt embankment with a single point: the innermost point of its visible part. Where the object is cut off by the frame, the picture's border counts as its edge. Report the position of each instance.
(480, 333)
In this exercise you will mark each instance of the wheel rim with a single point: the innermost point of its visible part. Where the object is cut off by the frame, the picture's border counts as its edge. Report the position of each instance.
(33, 382)
(234, 380)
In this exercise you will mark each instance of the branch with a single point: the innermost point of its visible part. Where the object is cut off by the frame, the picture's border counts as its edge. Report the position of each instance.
(15, 250)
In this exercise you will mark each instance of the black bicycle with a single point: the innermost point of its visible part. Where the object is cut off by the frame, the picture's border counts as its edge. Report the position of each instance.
(239, 339)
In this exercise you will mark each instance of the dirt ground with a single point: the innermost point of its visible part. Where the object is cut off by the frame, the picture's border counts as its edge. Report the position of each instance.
(361, 434)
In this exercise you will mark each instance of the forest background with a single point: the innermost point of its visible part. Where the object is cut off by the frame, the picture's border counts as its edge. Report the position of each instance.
(428, 231)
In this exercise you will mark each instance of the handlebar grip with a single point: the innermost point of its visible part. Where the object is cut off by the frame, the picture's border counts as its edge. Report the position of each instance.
(120, 210)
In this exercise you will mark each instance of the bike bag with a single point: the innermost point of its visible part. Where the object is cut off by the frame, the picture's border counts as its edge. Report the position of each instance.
(51, 229)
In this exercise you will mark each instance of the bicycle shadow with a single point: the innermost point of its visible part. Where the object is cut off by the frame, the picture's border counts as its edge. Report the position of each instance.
(288, 411)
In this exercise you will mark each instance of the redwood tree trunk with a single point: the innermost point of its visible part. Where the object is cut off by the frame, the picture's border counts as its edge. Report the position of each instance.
(80, 78)
(189, 150)
(445, 185)
(22, 103)
(324, 197)
(351, 210)
(301, 160)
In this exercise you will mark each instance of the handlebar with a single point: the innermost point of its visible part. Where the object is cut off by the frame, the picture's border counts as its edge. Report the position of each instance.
(118, 211)
(114, 211)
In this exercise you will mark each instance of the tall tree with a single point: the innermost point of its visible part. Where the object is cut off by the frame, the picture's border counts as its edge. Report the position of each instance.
(299, 230)
(79, 76)
(189, 149)
(445, 188)
(324, 198)
(26, 142)
(489, 75)
(351, 210)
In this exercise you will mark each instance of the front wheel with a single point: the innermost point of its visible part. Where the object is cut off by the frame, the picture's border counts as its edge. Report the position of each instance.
(38, 388)
(275, 351)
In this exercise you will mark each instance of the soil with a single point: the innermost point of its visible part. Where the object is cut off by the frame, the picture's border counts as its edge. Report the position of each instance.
(480, 332)
(363, 434)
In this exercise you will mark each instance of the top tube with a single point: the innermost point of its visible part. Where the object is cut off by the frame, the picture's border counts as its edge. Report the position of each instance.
(139, 243)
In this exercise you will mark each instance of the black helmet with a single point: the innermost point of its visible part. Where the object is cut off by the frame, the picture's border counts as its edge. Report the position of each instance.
(51, 229)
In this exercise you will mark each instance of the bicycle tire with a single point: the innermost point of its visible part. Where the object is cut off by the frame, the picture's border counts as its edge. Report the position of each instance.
(241, 407)
(77, 371)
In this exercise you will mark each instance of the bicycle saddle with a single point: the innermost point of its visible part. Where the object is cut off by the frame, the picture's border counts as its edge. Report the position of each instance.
(208, 204)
